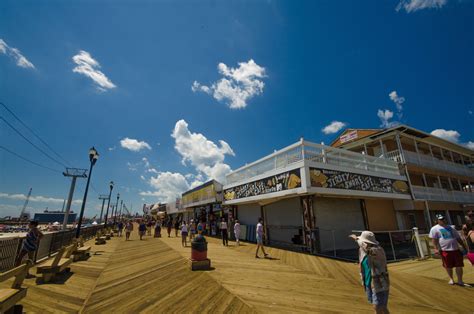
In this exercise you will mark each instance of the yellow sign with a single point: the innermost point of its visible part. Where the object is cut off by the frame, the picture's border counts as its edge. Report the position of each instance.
(205, 193)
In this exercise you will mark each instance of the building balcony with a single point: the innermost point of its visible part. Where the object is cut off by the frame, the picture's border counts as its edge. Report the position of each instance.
(304, 151)
(442, 195)
(428, 161)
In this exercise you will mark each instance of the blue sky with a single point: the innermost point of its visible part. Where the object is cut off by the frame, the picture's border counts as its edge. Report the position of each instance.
(264, 73)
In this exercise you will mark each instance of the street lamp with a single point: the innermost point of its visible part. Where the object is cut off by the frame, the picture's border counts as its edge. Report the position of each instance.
(93, 156)
(111, 186)
(116, 207)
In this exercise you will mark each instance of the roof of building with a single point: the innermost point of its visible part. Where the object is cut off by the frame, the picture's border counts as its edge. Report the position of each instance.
(203, 186)
(425, 137)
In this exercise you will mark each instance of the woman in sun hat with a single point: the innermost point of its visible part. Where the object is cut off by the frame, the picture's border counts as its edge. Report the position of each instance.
(373, 270)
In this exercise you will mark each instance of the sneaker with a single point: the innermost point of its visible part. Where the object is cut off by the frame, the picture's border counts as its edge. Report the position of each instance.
(462, 284)
(451, 282)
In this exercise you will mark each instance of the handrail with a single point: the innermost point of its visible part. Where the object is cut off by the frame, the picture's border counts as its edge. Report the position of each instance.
(304, 150)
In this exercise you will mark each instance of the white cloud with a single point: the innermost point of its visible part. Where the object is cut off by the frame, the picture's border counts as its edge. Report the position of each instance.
(204, 155)
(168, 186)
(88, 66)
(152, 170)
(470, 145)
(449, 135)
(36, 198)
(415, 5)
(398, 102)
(333, 127)
(146, 162)
(237, 86)
(385, 116)
(134, 145)
(14, 53)
(112, 148)
(142, 177)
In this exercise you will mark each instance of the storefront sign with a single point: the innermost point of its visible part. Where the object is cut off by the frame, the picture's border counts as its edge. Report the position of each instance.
(205, 193)
(332, 179)
(280, 182)
(352, 135)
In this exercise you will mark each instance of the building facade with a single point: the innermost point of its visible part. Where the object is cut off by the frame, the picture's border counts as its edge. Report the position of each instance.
(440, 174)
(204, 204)
(312, 196)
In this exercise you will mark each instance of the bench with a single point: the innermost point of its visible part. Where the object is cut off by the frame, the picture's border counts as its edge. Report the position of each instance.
(9, 297)
(56, 265)
(81, 251)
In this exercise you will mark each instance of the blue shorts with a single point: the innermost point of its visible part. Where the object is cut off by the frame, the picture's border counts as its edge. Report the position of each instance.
(377, 299)
(259, 239)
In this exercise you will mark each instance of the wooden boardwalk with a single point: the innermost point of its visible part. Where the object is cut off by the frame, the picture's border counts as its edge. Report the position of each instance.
(154, 276)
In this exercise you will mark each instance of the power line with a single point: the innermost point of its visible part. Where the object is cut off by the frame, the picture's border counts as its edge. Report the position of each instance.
(29, 129)
(26, 139)
(28, 160)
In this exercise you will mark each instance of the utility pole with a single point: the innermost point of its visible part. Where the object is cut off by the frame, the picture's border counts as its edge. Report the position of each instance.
(121, 207)
(111, 186)
(74, 173)
(116, 207)
(103, 198)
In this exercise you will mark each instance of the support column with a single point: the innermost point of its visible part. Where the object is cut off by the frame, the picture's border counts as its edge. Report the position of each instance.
(424, 179)
(428, 215)
(448, 216)
(400, 148)
(450, 184)
(265, 225)
(381, 147)
(308, 223)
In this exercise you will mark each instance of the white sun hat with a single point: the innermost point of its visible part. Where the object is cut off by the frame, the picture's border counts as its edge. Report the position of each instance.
(368, 237)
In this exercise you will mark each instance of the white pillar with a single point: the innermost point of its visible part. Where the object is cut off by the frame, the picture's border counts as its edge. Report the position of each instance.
(418, 242)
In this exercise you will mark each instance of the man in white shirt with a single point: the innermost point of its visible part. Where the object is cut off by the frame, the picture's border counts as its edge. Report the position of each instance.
(259, 237)
(446, 241)
(223, 227)
(237, 232)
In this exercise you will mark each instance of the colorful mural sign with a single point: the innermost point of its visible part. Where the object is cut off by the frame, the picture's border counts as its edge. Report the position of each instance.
(333, 179)
(280, 182)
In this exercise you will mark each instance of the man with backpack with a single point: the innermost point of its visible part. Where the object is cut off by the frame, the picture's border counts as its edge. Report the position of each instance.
(373, 270)
(446, 241)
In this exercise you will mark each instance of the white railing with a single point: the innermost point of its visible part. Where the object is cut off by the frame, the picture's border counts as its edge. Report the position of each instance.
(437, 194)
(315, 153)
(431, 162)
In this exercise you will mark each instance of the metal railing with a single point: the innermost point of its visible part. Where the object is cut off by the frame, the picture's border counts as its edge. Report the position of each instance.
(307, 151)
(49, 244)
(397, 244)
(430, 162)
(437, 194)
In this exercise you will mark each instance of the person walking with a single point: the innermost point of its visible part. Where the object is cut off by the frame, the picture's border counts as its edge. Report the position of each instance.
(128, 229)
(192, 230)
(373, 270)
(169, 225)
(148, 227)
(142, 229)
(469, 236)
(184, 233)
(176, 227)
(225, 235)
(237, 232)
(119, 228)
(259, 238)
(30, 244)
(157, 229)
(446, 241)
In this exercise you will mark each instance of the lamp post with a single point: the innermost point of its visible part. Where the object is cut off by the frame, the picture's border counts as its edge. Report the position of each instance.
(111, 186)
(116, 207)
(93, 156)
